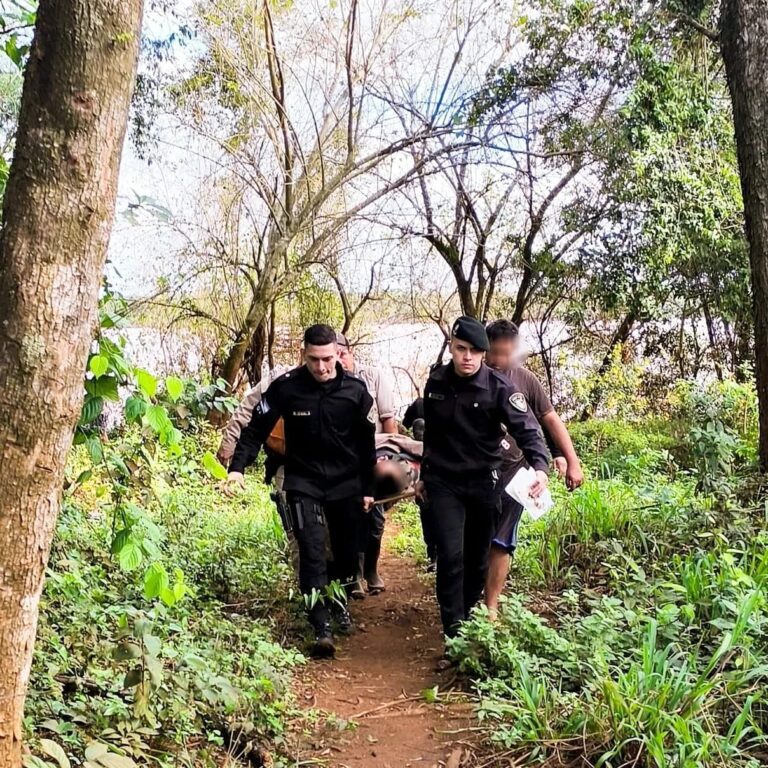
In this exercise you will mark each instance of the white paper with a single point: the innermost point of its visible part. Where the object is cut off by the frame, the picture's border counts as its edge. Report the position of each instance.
(518, 487)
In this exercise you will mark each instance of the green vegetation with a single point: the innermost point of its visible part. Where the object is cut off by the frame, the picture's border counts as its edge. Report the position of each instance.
(168, 654)
(636, 630)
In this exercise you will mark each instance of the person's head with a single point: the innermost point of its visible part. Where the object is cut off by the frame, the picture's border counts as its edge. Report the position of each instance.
(469, 343)
(346, 356)
(320, 355)
(504, 338)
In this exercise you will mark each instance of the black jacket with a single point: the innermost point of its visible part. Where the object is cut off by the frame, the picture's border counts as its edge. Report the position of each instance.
(463, 418)
(329, 445)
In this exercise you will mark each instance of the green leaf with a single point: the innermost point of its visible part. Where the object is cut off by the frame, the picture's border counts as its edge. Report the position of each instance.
(126, 651)
(113, 760)
(92, 408)
(95, 750)
(147, 382)
(32, 761)
(153, 644)
(174, 386)
(155, 581)
(52, 749)
(104, 386)
(95, 449)
(84, 477)
(214, 466)
(155, 667)
(98, 365)
(130, 556)
(168, 597)
(157, 418)
(120, 539)
(135, 408)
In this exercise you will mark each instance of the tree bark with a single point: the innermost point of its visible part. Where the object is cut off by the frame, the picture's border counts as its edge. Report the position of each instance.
(254, 357)
(744, 45)
(57, 218)
(620, 337)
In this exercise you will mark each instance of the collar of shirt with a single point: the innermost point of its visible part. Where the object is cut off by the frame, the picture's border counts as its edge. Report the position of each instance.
(480, 380)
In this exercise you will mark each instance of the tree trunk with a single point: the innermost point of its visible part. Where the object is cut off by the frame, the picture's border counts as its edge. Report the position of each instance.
(271, 337)
(744, 44)
(254, 357)
(264, 295)
(57, 218)
(620, 337)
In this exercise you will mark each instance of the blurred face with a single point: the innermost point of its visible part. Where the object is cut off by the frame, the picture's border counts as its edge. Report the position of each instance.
(321, 361)
(466, 358)
(504, 354)
(346, 358)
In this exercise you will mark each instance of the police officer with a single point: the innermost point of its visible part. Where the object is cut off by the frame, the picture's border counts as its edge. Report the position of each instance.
(329, 461)
(372, 531)
(465, 404)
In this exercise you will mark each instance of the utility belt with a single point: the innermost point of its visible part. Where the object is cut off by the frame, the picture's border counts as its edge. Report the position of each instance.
(297, 512)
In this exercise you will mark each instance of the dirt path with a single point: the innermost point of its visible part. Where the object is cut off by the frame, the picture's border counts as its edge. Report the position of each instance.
(377, 680)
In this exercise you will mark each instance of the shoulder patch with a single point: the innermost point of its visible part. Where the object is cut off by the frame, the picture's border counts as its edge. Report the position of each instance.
(518, 401)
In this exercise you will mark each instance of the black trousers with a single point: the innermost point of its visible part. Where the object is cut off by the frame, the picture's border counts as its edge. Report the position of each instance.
(315, 524)
(427, 530)
(464, 513)
(372, 528)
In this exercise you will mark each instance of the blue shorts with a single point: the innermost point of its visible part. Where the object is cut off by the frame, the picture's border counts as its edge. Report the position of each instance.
(505, 535)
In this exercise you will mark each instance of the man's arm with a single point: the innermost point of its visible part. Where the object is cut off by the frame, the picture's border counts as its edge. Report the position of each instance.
(556, 430)
(240, 418)
(385, 404)
(265, 416)
(367, 446)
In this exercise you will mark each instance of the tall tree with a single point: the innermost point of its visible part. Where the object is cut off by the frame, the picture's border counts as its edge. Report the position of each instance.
(744, 45)
(300, 133)
(57, 217)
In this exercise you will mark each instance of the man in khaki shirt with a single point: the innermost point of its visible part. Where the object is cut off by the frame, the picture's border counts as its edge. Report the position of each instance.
(384, 412)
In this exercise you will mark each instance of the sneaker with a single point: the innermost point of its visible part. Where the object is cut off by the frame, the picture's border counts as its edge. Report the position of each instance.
(342, 618)
(324, 647)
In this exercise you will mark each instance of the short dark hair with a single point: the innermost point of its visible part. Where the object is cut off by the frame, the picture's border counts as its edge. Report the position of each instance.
(501, 329)
(319, 335)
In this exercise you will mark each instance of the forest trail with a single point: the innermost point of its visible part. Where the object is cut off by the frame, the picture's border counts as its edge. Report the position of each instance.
(377, 681)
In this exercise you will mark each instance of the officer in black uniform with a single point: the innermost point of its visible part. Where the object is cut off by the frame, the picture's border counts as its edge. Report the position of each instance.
(465, 404)
(329, 461)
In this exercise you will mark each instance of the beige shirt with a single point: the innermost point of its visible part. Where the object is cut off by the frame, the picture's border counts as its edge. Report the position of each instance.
(242, 415)
(380, 390)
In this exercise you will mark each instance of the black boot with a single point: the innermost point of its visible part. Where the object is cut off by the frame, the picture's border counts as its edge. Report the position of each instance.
(320, 619)
(324, 647)
(372, 552)
(342, 619)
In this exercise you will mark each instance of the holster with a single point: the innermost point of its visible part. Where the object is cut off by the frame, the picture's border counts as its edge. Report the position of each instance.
(281, 502)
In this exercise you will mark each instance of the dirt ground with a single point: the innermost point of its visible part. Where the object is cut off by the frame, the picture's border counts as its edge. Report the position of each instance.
(373, 691)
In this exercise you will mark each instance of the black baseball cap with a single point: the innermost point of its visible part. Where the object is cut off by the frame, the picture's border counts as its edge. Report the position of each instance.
(472, 331)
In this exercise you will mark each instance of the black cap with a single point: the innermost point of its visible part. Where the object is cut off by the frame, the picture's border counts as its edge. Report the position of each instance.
(471, 330)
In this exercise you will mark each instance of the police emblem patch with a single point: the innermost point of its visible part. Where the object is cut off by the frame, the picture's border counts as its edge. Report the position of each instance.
(519, 402)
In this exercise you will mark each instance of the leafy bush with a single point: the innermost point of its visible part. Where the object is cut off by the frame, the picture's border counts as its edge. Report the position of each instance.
(161, 665)
(645, 643)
